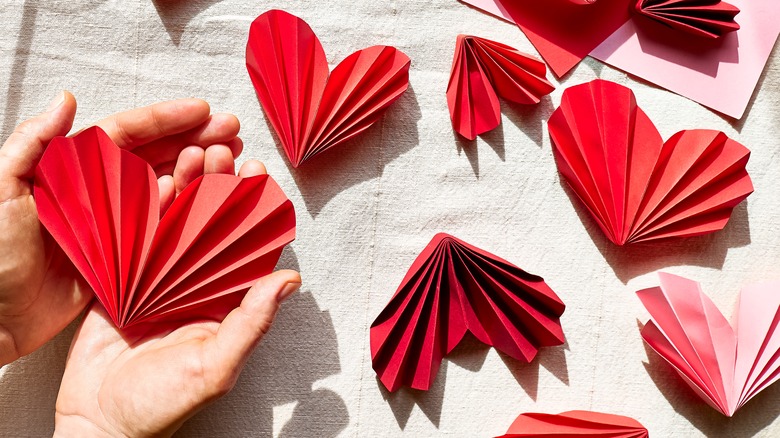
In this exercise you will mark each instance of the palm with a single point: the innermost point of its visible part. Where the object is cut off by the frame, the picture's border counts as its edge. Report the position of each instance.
(158, 378)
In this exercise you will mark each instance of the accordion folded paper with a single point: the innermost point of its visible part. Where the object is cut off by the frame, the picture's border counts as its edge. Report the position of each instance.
(453, 288)
(484, 70)
(220, 235)
(563, 31)
(725, 367)
(705, 18)
(310, 110)
(721, 74)
(635, 186)
(575, 424)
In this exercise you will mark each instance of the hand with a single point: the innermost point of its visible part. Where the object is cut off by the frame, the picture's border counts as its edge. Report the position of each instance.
(40, 290)
(146, 383)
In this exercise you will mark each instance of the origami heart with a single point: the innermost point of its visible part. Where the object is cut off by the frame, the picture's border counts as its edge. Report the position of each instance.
(725, 367)
(220, 235)
(635, 186)
(483, 70)
(575, 424)
(310, 111)
(706, 18)
(451, 288)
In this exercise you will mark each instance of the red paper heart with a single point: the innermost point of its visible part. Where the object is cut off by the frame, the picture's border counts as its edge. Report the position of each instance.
(575, 424)
(637, 187)
(484, 70)
(705, 18)
(453, 288)
(310, 111)
(220, 235)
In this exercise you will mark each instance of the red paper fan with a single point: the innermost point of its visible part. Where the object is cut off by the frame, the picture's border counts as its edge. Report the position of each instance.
(220, 235)
(637, 187)
(310, 111)
(451, 288)
(706, 18)
(725, 367)
(482, 71)
(575, 424)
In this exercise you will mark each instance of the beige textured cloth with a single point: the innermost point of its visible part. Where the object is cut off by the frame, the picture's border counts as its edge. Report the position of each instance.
(366, 210)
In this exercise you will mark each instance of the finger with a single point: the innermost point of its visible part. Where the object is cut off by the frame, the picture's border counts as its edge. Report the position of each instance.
(167, 192)
(242, 329)
(139, 126)
(251, 168)
(168, 148)
(24, 147)
(219, 159)
(188, 167)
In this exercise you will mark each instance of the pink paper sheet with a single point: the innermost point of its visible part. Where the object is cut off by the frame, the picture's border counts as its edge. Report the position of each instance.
(720, 74)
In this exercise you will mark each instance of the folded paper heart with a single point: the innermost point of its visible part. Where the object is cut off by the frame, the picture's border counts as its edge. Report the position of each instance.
(484, 70)
(575, 424)
(725, 366)
(705, 18)
(310, 111)
(453, 288)
(635, 186)
(220, 235)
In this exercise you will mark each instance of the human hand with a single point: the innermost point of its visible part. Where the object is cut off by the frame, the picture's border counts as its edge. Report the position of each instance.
(40, 290)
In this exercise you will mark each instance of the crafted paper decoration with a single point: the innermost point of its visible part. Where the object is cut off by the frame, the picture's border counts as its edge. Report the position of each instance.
(310, 110)
(705, 18)
(482, 71)
(725, 367)
(635, 186)
(453, 288)
(563, 31)
(575, 424)
(720, 74)
(220, 235)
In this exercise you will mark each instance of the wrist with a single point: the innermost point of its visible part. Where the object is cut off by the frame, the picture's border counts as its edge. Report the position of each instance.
(71, 426)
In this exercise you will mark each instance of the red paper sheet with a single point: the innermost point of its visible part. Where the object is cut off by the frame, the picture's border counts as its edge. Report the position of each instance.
(704, 18)
(563, 31)
(451, 288)
(310, 110)
(220, 235)
(725, 367)
(484, 70)
(575, 424)
(635, 186)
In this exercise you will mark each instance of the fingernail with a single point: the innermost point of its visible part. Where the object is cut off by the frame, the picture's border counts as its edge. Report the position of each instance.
(287, 290)
(56, 102)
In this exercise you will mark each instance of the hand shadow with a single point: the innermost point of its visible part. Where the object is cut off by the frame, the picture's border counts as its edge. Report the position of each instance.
(177, 14)
(359, 159)
(748, 421)
(635, 259)
(300, 349)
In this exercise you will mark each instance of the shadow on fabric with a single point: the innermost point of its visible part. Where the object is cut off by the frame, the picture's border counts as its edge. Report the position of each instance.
(300, 349)
(470, 354)
(177, 14)
(632, 260)
(360, 159)
(530, 119)
(748, 421)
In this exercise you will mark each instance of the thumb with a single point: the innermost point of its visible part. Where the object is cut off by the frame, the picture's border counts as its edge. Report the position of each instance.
(242, 329)
(24, 148)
